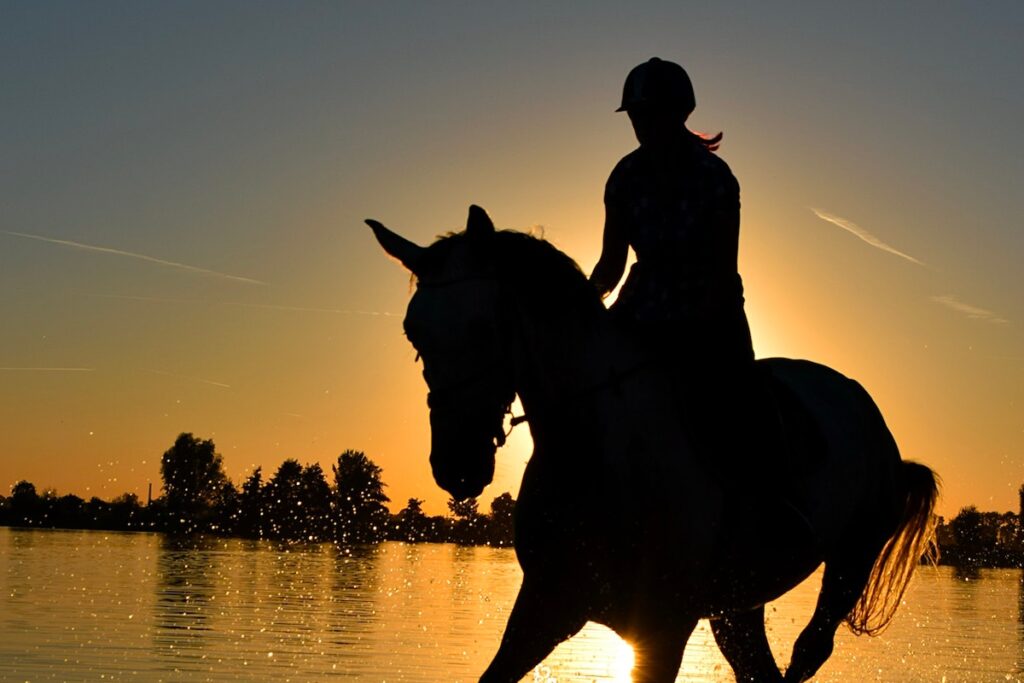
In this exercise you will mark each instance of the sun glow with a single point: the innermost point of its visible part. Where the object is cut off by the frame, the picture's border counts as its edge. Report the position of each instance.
(622, 668)
(596, 653)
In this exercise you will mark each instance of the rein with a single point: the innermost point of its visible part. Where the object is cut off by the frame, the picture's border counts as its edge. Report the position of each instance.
(613, 382)
(449, 393)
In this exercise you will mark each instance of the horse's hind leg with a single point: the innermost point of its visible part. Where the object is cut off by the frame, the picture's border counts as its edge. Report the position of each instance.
(841, 587)
(741, 638)
(541, 619)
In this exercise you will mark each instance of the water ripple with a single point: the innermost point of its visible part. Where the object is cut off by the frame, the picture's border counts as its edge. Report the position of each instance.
(89, 606)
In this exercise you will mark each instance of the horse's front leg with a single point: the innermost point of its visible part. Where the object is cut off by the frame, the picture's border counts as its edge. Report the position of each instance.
(658, 650)
(542, 617)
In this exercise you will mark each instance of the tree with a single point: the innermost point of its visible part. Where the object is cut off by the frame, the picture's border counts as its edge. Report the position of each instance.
(24, 502)
(1020, 510)
(501, 524)
(316, 501)
(193, 478)
(68, 511)
(467, 508)
(1020, 526)
(972, 537)
(97, 512)
(250, 505)
(359, 499)
(284, 513)
(124, 512)
(412, 522)
(225, 511)
(470, 525)
(298, 502)
(129, 500)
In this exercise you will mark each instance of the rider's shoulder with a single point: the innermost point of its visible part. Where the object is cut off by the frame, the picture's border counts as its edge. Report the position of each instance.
(711, 160)
(716, 166)
(629, 164)
(625, 175)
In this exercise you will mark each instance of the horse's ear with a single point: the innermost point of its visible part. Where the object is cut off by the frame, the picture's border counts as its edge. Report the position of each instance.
(479, 223)
(394, 244)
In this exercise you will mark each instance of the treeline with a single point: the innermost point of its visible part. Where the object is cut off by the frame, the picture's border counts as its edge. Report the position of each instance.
(974, 539)
(296, 503)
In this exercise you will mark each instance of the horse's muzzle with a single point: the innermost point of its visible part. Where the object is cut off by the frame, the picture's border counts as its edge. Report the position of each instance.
(462, 474)
(464, 438)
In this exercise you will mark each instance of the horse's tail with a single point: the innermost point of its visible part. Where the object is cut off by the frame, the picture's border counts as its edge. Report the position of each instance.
(913, 539)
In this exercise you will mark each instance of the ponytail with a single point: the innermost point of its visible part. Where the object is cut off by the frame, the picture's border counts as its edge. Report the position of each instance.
(711, 142)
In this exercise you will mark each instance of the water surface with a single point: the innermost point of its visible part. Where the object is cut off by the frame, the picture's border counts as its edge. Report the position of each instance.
(103, 606)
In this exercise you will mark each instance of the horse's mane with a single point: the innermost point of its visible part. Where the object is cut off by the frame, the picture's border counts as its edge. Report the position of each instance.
(544, 278)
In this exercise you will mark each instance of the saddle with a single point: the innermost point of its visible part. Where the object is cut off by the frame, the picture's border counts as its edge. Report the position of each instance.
(763, 474)
(760, 446)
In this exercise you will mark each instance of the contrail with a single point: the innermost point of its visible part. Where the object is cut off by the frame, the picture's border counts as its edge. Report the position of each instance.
(972, 312)
(141, 257)
(194, 379)
(273, 307)
(49, 369)
(343, 311)
(863, 234)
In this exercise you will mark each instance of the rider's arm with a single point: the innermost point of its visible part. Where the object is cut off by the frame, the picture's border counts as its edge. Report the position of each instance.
(614, 249)
(614, 245)
(727, 223)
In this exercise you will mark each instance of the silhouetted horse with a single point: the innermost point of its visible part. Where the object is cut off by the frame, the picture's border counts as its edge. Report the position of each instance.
(618, 520)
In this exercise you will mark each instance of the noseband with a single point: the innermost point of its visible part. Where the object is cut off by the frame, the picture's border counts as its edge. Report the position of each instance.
(456, 394)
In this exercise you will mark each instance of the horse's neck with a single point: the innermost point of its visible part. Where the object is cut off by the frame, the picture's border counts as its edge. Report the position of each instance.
(607, 432)
(562, 369)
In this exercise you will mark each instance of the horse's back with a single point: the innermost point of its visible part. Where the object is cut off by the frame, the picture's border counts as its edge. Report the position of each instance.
(843, 462)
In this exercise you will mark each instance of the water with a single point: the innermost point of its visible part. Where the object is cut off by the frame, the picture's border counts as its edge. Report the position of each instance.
(101, 606)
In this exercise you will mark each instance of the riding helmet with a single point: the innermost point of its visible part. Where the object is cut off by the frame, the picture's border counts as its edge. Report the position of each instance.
(658, 83)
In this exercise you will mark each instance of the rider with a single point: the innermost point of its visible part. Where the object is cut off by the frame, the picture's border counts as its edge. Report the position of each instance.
(676, 203)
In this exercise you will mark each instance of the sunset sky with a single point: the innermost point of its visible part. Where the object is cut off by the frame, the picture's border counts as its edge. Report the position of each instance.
(182, 189)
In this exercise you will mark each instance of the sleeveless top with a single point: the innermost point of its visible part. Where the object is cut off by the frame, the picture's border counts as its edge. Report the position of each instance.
(682, 218)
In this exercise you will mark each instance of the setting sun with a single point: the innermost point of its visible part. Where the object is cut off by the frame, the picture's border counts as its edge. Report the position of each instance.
(622, 658)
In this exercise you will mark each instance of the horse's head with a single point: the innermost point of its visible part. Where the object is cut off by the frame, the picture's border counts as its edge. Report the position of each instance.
(453, 322)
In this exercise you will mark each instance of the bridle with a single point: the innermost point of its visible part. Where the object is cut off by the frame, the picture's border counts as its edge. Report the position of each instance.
(454, 392)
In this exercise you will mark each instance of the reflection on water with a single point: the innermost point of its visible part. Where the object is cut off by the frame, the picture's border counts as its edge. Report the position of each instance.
(1019, 664)
(107, 606)
(967, 572)
(185, 581)
(1020, 606)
